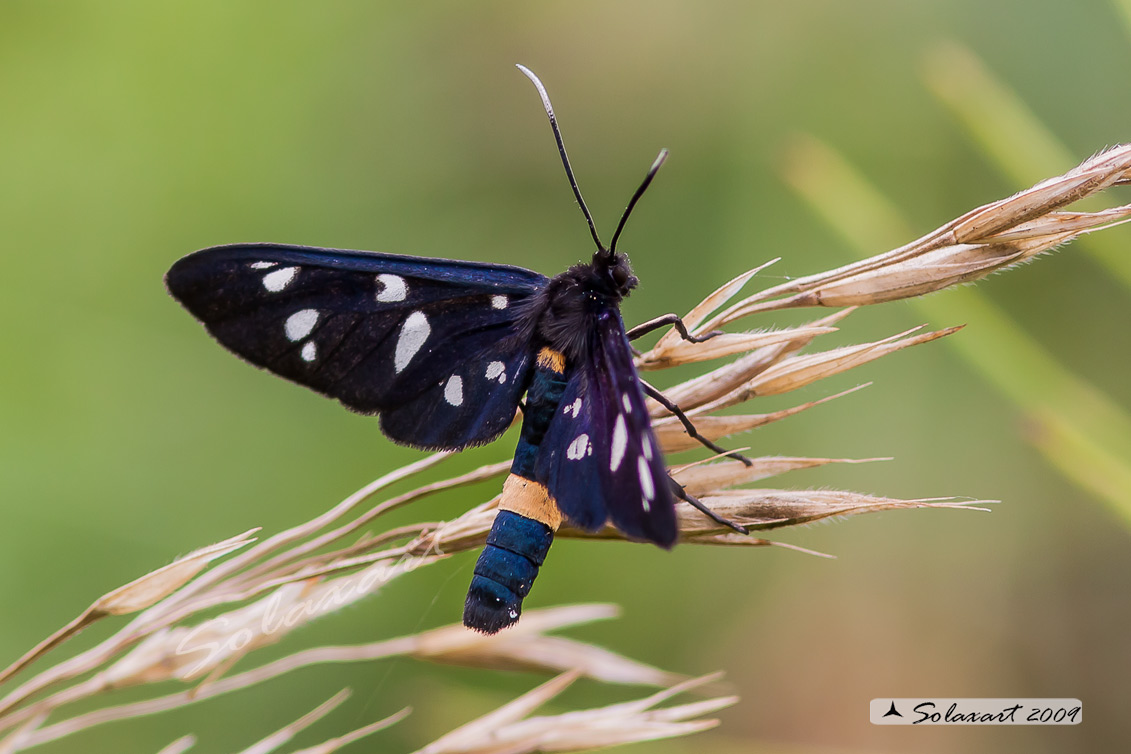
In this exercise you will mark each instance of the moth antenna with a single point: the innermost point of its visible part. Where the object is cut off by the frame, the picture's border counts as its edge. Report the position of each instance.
(561, 150)
(636, 197)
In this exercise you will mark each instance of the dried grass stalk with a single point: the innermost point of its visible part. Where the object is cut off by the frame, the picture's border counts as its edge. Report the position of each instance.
(287, 733)
(134, 596)
(179, 746)
(983, 241)
(508, 730)
(186, 615)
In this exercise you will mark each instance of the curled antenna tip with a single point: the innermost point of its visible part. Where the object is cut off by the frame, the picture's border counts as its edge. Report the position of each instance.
(537, 85)
(561, 151)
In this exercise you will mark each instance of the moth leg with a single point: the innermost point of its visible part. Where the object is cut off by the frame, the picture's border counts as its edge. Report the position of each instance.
(688, 426)
(682, 494)
(670, 319)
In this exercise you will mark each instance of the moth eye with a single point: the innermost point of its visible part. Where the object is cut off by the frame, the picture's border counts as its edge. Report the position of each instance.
(620, 276)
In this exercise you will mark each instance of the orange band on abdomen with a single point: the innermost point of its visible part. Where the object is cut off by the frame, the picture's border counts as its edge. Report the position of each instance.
(548, 358)
(530, 499)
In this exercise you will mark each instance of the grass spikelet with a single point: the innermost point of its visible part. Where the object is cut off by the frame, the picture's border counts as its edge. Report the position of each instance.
(508, 730)
(181, 745)
(284, 735)
(673, 438)
(992, 237)
(1077, 427)
(721, 380)
(698, 479)
(135, 596)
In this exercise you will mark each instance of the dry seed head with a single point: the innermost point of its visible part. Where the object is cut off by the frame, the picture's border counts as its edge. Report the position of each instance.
(713, 301)
(527, 647)
(287, 733)
(505, 731)
(931, 271)
(673, 438)
(1031, 215)
(336, 744)
(721, 380)
(463, 533)
(799, 371)
(449, 641)
(727, 344)
(764, 509)
(187, 652)
(270, 619)
(772, 509)
(698, 479)
(149, 589)
(21, 738)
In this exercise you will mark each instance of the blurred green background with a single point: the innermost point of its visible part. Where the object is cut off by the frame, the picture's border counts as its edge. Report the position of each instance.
(132, 133)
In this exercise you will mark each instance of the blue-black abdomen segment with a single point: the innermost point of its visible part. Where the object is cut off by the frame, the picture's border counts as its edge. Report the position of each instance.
(527, 519)
(505, 571)
(542, 399)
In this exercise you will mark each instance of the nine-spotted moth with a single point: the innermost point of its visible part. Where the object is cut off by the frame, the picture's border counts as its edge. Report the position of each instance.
(444, 351)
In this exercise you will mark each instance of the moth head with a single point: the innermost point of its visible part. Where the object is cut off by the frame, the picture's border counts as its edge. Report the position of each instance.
(615, 271)
(616, 266)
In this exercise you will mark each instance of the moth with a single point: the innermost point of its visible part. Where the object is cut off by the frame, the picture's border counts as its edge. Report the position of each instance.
(445, 352)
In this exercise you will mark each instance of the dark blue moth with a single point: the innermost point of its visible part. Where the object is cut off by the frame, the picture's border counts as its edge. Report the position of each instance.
(443, 352)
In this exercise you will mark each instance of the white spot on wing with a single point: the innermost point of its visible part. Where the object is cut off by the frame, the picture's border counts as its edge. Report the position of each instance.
(499, 302)
(277, 280)
(299, 324)
(496, 370)
(309, 351)
(393, 288)
(413, 334)
(620, 442)
(453, 391)
(647, 443)
(262, 265)
(647, 488)
(579, 448)
(573, 409)
(627, 403)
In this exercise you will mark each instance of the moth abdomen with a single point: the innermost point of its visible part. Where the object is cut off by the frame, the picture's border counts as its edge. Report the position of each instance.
(528, 517)
(505, 571)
